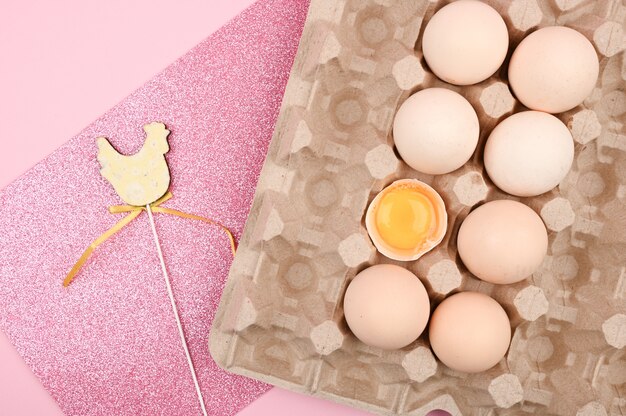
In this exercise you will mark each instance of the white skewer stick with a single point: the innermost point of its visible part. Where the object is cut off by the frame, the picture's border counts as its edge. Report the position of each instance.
(175, 310)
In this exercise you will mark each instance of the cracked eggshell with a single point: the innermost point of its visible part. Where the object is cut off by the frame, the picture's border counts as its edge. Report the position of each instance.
(437, 229)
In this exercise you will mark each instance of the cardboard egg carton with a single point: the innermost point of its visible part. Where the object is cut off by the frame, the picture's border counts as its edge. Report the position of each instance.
(281, 318)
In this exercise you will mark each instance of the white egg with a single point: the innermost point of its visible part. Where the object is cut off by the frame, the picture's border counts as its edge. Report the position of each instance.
(529, 153)
(436, 131)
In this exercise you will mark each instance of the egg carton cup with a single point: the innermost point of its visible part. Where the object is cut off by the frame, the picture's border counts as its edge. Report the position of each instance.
(281, 318)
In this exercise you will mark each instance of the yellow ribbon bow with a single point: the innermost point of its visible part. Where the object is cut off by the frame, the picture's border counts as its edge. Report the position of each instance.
(134, 212)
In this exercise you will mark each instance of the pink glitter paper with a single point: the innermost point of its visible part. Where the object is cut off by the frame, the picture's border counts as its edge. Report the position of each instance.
(108, 344)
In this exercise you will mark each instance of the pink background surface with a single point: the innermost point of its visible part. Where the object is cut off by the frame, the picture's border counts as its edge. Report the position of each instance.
(54, 85)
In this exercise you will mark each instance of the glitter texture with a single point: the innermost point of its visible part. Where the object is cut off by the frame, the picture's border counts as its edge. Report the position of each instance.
(108, 344)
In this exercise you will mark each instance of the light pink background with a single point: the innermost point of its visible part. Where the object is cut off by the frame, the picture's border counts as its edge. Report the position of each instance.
(59, 72)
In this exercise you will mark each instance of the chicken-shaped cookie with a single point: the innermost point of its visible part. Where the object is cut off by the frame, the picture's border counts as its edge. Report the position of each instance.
(144, 177)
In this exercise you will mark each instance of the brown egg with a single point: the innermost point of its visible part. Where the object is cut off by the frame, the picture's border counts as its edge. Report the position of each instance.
(502, 241)
(553, 69)
(465, 42)
(386, 306)
(470, 332)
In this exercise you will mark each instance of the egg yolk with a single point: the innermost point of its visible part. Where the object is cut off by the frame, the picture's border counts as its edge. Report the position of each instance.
(405, 218)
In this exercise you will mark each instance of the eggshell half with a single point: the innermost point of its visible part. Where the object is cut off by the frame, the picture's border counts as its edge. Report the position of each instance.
(438, 230)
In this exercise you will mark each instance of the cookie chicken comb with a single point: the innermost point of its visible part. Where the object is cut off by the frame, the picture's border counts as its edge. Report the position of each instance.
(142, 181)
